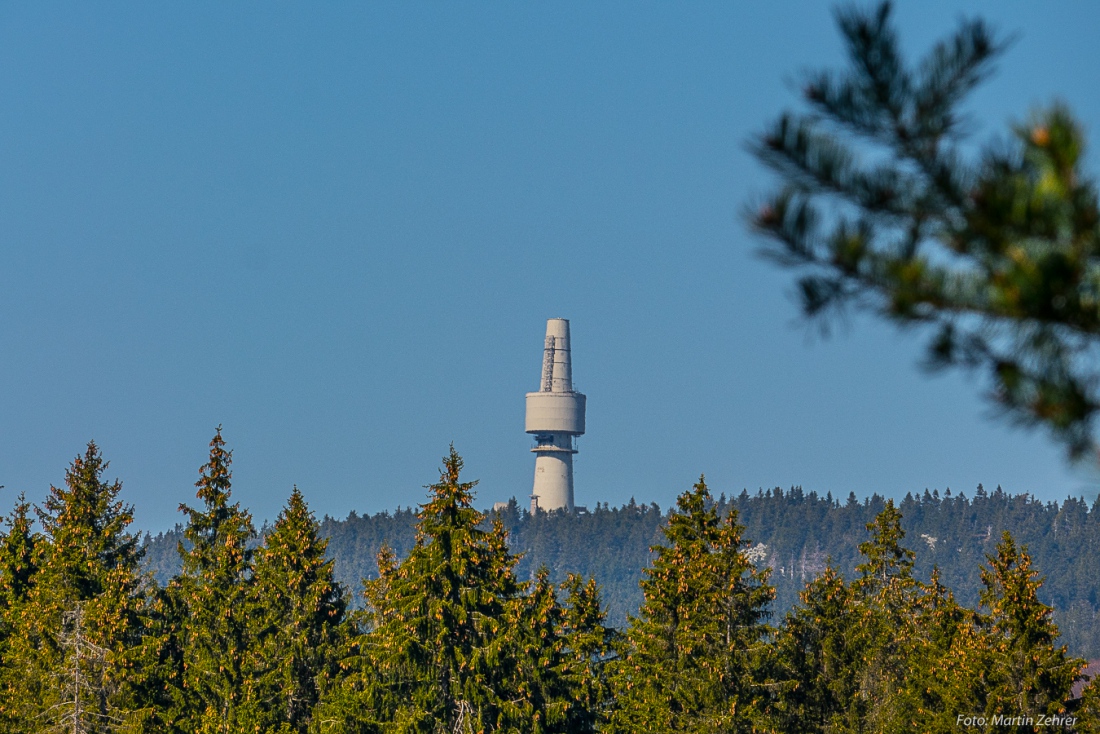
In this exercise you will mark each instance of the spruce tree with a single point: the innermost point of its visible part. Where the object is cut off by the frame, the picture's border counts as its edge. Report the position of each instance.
(1088, 710)
(436, 652)
(166, 707)
(885, 559)
(18, 564)
(691, 657)
(300, 610)
(940, 663)
(818, 659)
(216, 588)
(589, 647)
(18, 568)
(885, 634)
(356, 702)
(87, 594)
(1030, 674)
(536, 655)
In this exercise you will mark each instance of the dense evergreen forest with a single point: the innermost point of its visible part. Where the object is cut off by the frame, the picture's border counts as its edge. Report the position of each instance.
(794, 533)
(454, 632)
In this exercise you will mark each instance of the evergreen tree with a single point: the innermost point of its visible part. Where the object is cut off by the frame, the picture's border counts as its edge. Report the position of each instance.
(1088, 711)
(793, 534)
(589, 646)
(88, 570)
(940, 664)
(300, 612)
(887, 599)
(538, 659)
(690, 660)
(883, 210)
(434, 655)
(216, 588)
(845, 654)
(18, 564)
(1030, 674)
(818, 658)
(159, 678)
(18, 568)
(356, 703)
(885, 559)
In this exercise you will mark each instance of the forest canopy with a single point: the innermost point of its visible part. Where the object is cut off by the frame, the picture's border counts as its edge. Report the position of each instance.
(253, 631)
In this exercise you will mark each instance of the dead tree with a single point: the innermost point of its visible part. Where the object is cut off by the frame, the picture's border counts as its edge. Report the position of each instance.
(83, 706)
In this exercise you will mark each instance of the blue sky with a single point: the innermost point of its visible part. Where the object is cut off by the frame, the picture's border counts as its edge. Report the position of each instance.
(338, 230)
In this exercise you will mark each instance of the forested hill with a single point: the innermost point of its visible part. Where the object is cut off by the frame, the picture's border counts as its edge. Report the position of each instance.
(794, 533)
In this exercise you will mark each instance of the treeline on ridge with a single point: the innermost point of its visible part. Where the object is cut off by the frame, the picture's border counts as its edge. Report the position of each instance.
(798, 532)
(255, 634)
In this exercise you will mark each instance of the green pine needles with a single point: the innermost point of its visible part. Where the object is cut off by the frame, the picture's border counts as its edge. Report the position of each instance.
(882, 209)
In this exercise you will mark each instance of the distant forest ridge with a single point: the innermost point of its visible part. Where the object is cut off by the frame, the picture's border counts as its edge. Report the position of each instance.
(793, 532)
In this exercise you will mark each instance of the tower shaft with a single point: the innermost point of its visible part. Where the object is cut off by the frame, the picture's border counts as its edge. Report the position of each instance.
(555, 414)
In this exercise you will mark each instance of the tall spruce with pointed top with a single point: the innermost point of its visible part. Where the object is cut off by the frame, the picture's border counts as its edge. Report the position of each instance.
(1030, 673)
(18, 564)
(88, 564)
(216, 588)
(300, 610)
(881, 209)
(691, 657)
(886, 597)
(886, 560)
(437, 653)
(937, 666)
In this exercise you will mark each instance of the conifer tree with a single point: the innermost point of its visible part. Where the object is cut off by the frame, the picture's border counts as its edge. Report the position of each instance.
(356, 702)
(88, 566)
(690, 661)
(18, 567)
(158, 679)
(885, 634)
(82, 706)
(18, 564)
(885, 559)
(818, 658)
(1030, 674)
(1088, 712)
(940, 664)
(435, 655)
(589, 646)
(216, 587)
(300, 610)
(537, 657)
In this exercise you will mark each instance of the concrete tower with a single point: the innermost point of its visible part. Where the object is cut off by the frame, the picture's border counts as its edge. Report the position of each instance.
(555, 414)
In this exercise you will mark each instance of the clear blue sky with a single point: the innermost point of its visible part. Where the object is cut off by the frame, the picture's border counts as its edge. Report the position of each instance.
(338, 230)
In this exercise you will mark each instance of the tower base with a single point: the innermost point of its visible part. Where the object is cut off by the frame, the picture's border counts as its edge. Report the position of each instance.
(553, 488)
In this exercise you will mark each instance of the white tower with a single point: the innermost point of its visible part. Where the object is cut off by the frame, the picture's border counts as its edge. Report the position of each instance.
(555, 414)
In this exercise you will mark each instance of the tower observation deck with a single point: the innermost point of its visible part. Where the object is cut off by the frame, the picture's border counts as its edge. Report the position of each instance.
(555, 414)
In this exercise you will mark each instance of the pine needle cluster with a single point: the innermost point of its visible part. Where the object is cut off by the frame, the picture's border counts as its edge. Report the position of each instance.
(882, 209)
